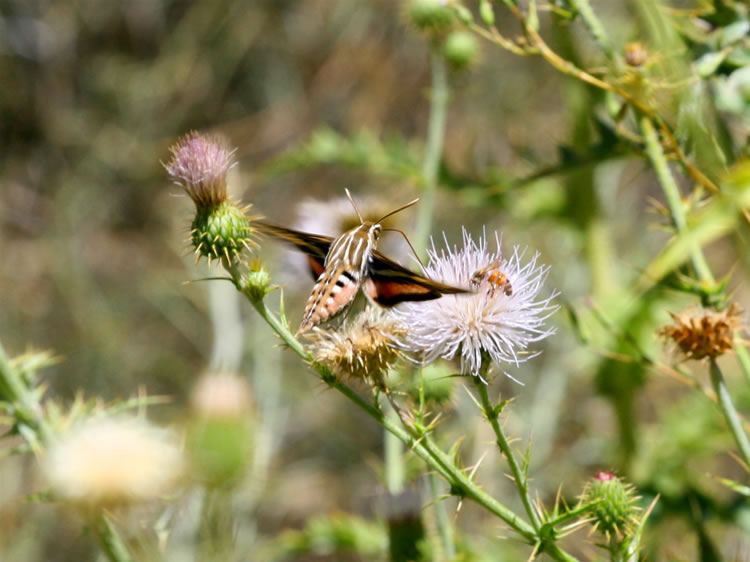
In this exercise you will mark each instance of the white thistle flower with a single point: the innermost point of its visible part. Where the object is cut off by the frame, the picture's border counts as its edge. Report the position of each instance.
(491, 321)
(113, 460)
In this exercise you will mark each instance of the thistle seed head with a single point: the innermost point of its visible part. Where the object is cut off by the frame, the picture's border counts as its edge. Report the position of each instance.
(362, 348)
(707, 333)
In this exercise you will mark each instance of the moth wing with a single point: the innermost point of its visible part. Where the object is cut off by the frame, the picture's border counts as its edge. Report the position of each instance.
(391, 283)
(315, 246)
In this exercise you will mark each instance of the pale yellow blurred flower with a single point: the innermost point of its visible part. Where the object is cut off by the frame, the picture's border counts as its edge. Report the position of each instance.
(113, 461)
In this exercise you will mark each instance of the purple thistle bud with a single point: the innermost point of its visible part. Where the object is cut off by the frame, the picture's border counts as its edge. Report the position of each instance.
(199, 165)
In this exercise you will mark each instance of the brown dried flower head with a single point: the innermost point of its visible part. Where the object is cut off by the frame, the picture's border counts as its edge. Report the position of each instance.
(364, 347)
(200, 165)
(706, 334)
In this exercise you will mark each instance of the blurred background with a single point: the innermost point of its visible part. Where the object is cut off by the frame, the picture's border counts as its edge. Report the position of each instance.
(318, 96)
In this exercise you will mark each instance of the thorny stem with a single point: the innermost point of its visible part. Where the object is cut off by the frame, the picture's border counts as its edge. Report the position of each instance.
(730, 413)
(595, 27)
(419, 441)
(394, 464)
(492, 414)
(672, 195)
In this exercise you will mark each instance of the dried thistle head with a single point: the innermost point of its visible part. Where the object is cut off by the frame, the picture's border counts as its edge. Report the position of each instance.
(364, 347)
(707, 333)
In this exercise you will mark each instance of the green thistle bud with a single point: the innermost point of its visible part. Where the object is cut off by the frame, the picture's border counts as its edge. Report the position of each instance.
(431, 16)
(220, 232)
(257, 281)
(461, 49)
(614, 503)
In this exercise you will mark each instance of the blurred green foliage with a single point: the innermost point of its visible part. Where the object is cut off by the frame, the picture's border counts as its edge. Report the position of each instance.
(322, 95)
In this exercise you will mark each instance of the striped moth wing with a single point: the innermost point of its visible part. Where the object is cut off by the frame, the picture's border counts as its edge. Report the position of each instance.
(337, 280)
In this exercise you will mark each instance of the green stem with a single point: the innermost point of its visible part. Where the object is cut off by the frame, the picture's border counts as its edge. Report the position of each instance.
(433, 150)
(730, 413)
(445, 529)
(421, 444)
(469, 489)
(743, 357)
(672, 195)
(109, 539)
(519, 477)
(394, 458)
(216, 526)
(417, 440)
(595, 27)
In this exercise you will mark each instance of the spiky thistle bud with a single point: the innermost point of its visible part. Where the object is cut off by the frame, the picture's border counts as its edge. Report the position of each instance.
(220, 229)
(362, 348)
(707, 333)
(613, 502)
(257, 281)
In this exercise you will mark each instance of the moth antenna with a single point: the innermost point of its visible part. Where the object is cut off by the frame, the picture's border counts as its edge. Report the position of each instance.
(356, 210)
(413, 251)
(401, 208)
